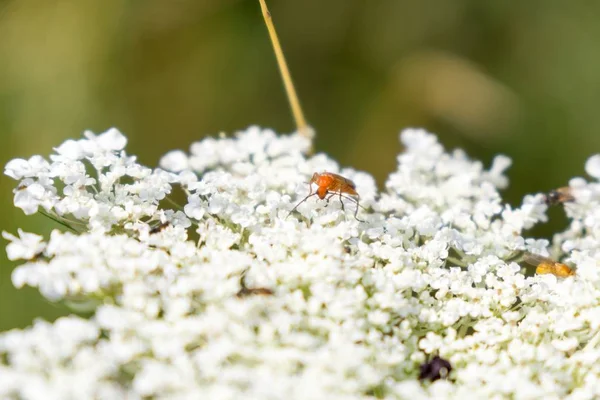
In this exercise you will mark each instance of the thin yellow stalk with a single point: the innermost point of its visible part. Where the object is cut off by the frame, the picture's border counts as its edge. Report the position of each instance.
(301, 124)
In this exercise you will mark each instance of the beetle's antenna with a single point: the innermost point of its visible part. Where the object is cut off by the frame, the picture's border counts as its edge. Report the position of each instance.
(301, 124)
(301, 201)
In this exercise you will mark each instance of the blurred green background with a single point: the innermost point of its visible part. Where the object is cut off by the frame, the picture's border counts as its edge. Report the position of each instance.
(520, 78)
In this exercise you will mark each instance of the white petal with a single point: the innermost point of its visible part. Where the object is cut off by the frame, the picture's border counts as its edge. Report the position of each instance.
(70, 149)
(175, 161)
(16, 168)
(112, 139)
(592, 166)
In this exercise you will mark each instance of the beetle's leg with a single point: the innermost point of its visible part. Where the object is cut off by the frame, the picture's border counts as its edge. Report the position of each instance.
(310, 191)
(356, 212)
(343, 208)
(329, 198)
(357, 206)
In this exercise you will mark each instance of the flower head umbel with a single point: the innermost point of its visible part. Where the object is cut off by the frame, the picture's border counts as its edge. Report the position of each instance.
(230, 296)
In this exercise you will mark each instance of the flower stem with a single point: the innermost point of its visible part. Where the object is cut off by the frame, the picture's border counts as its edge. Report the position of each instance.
(173, 203)
(456, 261)
(58, 221)
(301, 124)
(593, 342)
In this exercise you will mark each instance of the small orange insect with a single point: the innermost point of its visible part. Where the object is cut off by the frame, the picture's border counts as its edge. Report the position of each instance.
(546, 265)
(558, 196)
(332, 184)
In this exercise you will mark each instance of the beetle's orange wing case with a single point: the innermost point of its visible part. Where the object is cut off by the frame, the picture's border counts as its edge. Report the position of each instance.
(340, 184)
(545, 265)
(341, 178)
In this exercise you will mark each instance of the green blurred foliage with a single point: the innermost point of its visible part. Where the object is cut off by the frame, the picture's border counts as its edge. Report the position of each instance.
(519, 78)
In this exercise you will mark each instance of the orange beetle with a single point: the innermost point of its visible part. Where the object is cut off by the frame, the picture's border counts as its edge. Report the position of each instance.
(546, 265)
(332, 184)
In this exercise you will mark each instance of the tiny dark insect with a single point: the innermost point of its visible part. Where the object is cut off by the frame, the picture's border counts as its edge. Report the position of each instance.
(332, 184)
(159, 228)
(254, 291)
(434, 369)
(559, 196)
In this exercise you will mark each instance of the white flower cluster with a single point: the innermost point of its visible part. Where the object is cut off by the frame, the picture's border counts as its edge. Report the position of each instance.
(230, 296)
